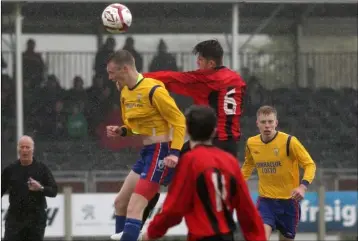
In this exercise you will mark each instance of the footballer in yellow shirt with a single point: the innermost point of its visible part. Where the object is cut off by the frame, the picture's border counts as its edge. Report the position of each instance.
(149, 111)
(277, 158)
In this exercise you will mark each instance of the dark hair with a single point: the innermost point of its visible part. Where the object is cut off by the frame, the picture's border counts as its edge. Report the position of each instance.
(210, 49)
(200, 122)
(122, 57)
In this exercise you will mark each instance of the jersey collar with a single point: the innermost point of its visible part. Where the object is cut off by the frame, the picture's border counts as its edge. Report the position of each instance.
(273, 138)
(139, 80)
(140, 77)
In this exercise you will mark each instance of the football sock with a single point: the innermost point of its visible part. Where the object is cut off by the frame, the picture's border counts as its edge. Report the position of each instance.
(131, 229)
(120, 220)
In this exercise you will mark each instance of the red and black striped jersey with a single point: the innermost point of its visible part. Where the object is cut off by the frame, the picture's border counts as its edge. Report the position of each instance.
(220, 88)
(206, 189)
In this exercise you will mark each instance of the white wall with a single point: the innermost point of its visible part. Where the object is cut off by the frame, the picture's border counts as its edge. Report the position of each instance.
(143, 42)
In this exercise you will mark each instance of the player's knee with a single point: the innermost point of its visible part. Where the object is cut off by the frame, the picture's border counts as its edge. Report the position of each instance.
(120, 204)
(136, 206)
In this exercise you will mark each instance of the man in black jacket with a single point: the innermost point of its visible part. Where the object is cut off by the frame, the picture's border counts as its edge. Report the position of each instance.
(28, 182)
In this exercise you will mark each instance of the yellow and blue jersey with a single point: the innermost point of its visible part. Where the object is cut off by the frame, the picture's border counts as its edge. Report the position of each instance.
(277, 163)
(149, 110)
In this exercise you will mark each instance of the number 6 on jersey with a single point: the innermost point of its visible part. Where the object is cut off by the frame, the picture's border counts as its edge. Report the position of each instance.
(230, 102)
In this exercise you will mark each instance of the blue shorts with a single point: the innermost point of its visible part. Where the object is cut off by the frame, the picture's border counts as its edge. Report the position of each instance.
(151, 166)
(281, 214)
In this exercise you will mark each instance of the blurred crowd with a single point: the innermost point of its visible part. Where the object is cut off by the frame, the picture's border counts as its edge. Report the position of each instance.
(324, 119)
(53, 113)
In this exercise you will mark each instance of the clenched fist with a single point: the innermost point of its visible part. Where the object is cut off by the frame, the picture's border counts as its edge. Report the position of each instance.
(113, 131)
(171, 161)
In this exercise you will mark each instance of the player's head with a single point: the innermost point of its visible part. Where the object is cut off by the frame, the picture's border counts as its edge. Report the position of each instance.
(209, 54)
(200, 123)
(121, 67)
(25, 148)
(267, 120)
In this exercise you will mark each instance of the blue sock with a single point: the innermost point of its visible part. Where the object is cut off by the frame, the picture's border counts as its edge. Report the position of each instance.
(131, 229)
(120, 220)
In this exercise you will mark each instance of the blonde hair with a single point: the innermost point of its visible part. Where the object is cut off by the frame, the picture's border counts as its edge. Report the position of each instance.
(266, 110)
(122, 57)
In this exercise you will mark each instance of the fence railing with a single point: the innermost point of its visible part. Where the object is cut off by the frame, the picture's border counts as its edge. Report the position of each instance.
(110, 181)
(274, 70)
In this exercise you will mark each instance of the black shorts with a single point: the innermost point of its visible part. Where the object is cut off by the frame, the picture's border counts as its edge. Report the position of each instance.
(231, 146)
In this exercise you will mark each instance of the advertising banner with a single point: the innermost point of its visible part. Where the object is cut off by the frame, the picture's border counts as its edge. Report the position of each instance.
(93, 214)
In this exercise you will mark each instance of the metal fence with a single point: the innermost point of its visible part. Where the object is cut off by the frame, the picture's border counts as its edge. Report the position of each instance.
(274, 70)
(99, 181)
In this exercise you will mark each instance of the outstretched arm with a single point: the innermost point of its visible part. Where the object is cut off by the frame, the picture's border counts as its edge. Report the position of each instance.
(182, 83)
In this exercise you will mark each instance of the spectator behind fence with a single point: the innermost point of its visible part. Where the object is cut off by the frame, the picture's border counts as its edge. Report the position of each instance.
(102, 55)
(129, 46)
(51, 92)
(54, 123)
(255, 95)
(163, 60)
(77, 126)
(33, 65)
(99, 103)
(77, 94)
(28, 182)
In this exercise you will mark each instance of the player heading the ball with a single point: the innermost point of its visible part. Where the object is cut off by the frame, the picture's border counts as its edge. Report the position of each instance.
(147, 110)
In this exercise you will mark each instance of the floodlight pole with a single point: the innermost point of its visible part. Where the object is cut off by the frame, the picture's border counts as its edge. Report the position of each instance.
(235, 63)
(19, 76)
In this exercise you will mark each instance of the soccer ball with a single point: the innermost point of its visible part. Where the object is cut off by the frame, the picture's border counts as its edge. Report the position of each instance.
(116, 18)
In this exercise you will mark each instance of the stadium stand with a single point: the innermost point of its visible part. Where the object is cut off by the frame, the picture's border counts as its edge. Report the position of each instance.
(324, 119)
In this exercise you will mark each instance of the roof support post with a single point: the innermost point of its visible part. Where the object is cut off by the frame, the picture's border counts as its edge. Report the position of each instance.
(235, 64)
